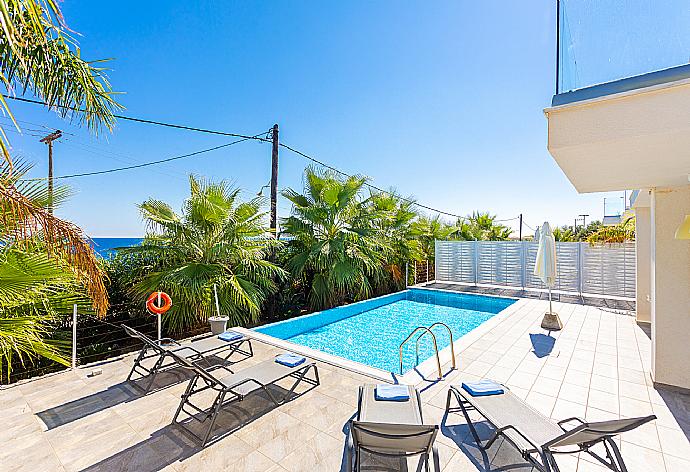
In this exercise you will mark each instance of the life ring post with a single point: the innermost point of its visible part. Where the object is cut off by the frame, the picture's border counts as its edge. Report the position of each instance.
(158, 303)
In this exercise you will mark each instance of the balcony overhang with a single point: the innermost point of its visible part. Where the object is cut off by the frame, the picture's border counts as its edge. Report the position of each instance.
(629, 137)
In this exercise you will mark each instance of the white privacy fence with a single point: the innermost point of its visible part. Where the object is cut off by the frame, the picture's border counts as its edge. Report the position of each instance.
(582, 268)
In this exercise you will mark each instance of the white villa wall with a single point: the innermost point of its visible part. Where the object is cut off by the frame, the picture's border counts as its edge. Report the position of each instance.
(670, 274)
(643, 241)
(630, 140)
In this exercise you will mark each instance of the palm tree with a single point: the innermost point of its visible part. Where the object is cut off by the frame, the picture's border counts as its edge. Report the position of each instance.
(39, 56)
(564, 234)
(582, 233)
(215, 241)
(335, 246)
(620, 233)
(480, 227)
(426, 231)
(36, 289)
(35, 295)
(394, 221)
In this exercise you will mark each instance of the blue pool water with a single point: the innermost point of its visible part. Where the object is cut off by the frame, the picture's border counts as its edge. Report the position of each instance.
(370, 332)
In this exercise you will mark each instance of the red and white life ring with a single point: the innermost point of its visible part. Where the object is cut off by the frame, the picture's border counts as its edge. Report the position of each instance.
(153, 301)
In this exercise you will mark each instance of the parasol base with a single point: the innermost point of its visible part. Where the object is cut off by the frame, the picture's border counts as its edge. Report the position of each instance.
(552, 322)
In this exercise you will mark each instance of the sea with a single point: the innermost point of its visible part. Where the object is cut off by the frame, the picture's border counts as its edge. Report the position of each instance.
(105, 247)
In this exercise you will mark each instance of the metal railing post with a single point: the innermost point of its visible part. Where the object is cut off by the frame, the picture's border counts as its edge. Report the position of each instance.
(74, 337)
(407, 274)
(476, 261)
(580, 264)
(523, 264)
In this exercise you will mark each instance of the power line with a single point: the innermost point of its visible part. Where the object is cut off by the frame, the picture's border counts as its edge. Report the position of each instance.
(507, 219)
(118, 157)
(412, 202)
(9, 122)
(525, 223)
(23, 133)
(327, 166)
(223, 133)
(146, 121)
(146, 164)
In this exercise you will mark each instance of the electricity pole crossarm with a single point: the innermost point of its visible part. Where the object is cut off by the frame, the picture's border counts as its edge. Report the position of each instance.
(57, 134)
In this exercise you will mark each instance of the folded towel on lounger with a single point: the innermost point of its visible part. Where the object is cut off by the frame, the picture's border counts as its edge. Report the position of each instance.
(392, 393)
(482, 388)
(229, 336)
(290, 360)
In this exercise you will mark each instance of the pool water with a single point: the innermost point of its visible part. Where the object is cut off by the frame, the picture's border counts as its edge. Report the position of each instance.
(370, 332)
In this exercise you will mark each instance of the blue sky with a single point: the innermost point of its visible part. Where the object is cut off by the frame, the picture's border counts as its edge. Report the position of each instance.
(441, 100)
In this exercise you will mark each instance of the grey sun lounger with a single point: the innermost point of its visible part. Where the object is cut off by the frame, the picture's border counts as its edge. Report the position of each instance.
(232, 387)
(538, 437)
(195, 351)
(390, 429)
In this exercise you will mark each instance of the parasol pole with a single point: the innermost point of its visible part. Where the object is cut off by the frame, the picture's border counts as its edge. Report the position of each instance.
(215, 293)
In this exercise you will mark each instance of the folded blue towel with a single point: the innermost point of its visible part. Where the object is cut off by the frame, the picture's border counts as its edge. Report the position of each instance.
(482, 388)
(392, 393)
(229, 336)
(290, 360)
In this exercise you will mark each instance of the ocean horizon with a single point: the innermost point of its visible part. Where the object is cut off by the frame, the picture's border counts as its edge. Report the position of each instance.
(105, 247)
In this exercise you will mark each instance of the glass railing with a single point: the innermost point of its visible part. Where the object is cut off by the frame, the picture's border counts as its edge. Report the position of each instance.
(614, 206)
(602, 41)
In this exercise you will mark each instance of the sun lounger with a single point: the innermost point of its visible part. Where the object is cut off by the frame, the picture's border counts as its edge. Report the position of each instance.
(235, 386)
(197, 351)
(390, 428)
(538, 437)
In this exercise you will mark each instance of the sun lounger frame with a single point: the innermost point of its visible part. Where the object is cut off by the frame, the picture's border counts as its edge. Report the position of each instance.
(427, 451)
(542, 456)
(228, 393)
(154, 349)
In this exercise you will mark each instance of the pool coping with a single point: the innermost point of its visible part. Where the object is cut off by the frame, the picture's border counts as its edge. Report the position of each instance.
(321, 356)
(424, 372)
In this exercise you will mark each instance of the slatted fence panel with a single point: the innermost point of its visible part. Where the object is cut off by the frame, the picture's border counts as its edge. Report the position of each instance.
(455, 261)
(601, 270)
(609, 270)
(499, 263)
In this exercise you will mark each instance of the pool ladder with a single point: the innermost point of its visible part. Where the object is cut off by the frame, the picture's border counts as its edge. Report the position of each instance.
(427, 330)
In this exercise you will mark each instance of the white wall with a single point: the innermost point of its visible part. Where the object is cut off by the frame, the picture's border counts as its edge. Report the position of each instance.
(670, 274)
(643, 240)
(636, 139)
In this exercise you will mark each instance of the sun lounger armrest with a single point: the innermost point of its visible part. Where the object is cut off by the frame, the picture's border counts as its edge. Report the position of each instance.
(359, 401)
(522, 435)
(419, 404)
(568, 420)
(188, 348)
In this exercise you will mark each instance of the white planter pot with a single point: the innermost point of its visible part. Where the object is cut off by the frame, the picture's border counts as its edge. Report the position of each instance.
(218, 324)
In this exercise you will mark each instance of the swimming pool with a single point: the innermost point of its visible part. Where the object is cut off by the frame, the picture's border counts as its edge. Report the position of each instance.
(370, 332)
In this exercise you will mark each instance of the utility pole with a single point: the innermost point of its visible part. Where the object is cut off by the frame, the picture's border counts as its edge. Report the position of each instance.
(584, 220)
(520, 226)
(274, 181)
(57, 134)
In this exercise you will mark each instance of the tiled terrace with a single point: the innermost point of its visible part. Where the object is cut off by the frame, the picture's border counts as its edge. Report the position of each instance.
(597, 368)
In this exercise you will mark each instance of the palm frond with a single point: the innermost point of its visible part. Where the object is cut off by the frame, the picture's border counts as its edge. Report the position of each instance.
(63, 240)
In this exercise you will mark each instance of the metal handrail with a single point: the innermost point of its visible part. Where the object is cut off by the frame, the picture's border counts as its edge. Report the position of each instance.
(433, 337)
(450, 333)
